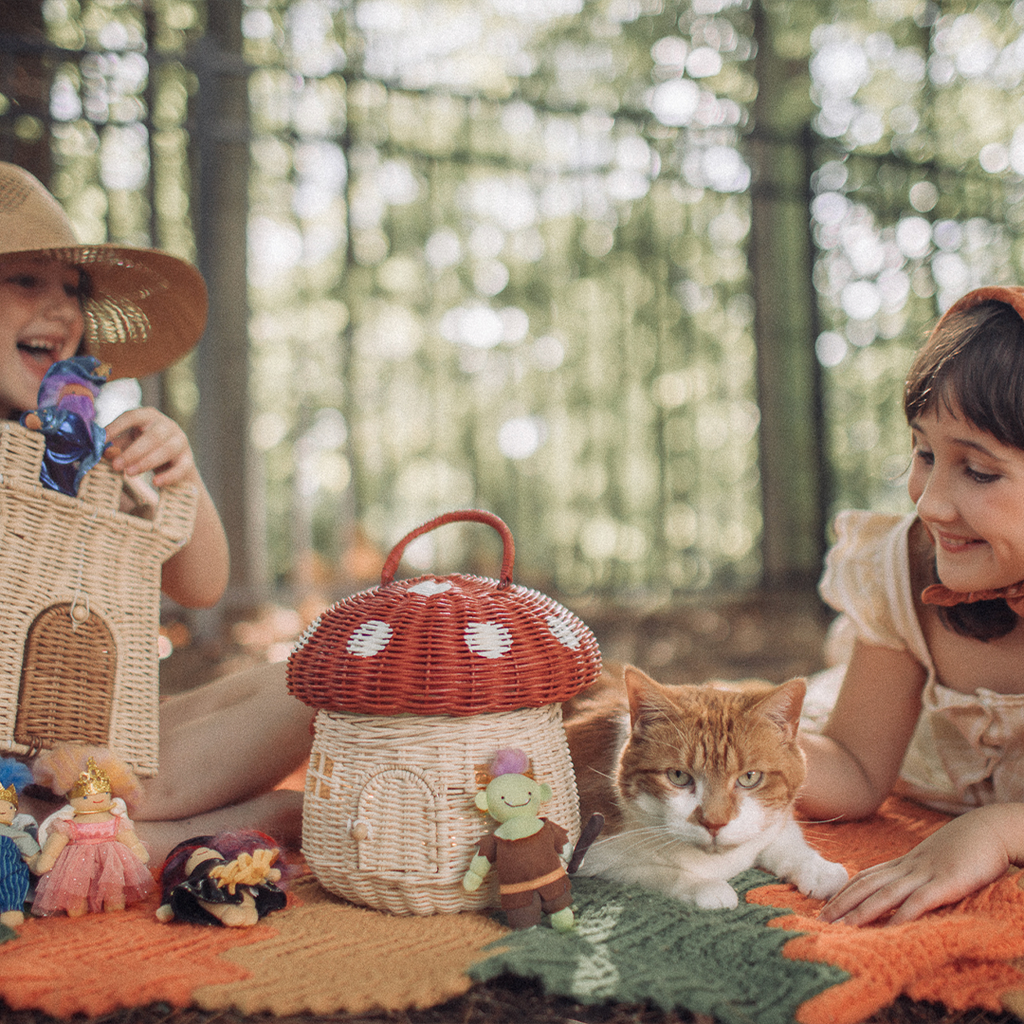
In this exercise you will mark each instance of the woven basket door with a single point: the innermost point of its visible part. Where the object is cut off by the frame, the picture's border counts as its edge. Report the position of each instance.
(66, 642)
(384, 847)
(418, 683)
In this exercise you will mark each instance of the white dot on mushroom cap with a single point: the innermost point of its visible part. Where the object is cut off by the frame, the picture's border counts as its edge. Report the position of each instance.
(488, 639)
(428, 588)
(562, 632)
(369, 639)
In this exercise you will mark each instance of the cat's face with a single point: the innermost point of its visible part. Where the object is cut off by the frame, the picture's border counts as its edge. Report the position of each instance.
(712, 766)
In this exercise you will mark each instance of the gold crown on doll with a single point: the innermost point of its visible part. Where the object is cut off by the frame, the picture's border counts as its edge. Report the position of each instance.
(93, 780)
(10, 794)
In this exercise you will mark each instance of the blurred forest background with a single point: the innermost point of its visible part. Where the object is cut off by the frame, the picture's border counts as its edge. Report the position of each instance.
(642, 277)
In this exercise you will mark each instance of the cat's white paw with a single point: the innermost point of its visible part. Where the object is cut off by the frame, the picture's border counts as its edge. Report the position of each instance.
(712, 896)
(820, 879)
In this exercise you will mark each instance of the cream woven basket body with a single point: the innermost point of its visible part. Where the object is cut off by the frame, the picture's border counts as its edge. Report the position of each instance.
(388, 816)
(80, 584)
(418, 684)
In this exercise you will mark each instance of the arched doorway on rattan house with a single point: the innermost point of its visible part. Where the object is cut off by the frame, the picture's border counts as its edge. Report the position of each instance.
(67, 679)
(385, 846)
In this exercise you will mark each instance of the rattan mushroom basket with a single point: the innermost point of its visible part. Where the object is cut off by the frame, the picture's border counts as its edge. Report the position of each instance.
(417, 684)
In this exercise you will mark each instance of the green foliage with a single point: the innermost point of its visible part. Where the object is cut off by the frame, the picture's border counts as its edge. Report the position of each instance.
(499, 250)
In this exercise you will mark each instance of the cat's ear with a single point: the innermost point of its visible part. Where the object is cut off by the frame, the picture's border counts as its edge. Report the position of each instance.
(783, 705)
(645, 698)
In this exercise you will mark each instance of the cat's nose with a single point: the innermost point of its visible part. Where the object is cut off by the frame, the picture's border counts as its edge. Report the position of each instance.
(713, 827)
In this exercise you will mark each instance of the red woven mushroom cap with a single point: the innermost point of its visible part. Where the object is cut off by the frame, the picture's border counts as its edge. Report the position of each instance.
(443, 645)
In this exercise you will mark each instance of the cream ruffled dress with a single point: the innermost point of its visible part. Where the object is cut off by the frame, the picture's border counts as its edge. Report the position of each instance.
(968, 749)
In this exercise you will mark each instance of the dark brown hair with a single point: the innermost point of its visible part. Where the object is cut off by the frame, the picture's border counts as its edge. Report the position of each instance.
(973, 365)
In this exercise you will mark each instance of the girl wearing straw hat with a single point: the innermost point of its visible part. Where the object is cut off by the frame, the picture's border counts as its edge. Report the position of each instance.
(224, 745)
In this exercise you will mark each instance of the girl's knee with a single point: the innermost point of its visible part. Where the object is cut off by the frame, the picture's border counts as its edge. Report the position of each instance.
(251, 687)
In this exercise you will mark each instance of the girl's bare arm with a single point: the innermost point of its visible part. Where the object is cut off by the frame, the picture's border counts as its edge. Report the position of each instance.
(144, 440)
(853, 765)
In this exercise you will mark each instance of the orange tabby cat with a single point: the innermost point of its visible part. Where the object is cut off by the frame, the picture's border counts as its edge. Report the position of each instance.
(696, 783)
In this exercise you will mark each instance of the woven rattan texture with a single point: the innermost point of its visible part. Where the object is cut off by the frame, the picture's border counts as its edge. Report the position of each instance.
(60, 648)
(101, 565)
(389, 820)
(452, 645)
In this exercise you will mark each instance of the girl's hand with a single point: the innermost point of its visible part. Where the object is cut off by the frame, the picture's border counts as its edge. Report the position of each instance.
(953, 862)
(145, 439)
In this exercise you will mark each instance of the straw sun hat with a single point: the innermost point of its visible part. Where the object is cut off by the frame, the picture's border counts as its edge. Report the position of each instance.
(144, 308)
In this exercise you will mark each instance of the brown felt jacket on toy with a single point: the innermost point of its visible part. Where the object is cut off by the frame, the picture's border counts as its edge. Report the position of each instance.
(527, 851)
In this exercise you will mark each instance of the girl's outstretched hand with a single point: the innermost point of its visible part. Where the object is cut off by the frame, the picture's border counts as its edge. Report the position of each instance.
(957, 860)
(146, 439)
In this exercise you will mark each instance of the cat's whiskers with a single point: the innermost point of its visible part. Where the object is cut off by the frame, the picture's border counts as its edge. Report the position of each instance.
(821, 842)
(810, 823)
(656, 838)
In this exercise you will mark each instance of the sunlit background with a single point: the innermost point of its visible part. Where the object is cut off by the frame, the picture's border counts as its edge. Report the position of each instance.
(501, 253)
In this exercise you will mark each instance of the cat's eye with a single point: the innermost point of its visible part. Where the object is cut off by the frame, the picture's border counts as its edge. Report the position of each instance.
(748, 780)
(679, 778)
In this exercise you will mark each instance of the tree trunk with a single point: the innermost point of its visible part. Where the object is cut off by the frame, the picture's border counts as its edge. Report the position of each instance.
(26, 82)
(793, 479)
(221, 441)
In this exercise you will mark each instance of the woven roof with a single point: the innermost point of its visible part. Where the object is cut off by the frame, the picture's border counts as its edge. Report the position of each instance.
(443, 645)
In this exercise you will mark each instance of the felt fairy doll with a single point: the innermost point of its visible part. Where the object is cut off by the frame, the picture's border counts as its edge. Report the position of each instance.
(225, 879)
(66, 416)
(18, 846)
(91, 859)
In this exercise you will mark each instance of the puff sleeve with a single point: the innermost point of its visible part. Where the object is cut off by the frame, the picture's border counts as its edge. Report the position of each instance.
(867, 578)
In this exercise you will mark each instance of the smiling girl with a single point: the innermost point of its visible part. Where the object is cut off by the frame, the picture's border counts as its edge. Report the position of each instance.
(223, 746)
(41, 321)
(932, 699)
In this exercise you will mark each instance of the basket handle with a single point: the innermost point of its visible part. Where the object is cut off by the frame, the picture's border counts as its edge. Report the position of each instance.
(473, 515)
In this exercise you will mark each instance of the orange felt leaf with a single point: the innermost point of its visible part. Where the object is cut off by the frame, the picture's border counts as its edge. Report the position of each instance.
(101, 962)
(959, 955)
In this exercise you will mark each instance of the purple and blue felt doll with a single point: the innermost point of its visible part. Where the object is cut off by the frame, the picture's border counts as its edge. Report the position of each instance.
(67, 418)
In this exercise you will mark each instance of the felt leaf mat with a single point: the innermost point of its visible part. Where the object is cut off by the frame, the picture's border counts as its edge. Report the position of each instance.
(631, 945)
(319, 955)
(771, 961)
(767, 962)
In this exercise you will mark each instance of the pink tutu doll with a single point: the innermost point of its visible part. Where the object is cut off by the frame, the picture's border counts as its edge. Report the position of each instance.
(91, 859)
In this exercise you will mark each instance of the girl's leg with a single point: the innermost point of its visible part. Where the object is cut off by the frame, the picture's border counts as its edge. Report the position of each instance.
(225, 743)
(278, 813)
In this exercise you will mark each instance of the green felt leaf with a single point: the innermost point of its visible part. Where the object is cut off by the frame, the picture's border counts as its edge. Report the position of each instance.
(631, 945)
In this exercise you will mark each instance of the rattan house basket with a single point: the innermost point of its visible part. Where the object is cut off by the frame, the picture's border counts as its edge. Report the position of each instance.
(80, 592)
(417, 684)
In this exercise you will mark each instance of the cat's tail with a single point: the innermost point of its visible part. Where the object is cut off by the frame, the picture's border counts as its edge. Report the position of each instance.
(590, 832)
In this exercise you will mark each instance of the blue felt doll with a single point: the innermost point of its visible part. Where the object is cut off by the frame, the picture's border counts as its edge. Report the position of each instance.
(67, 418)
(18, 846)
